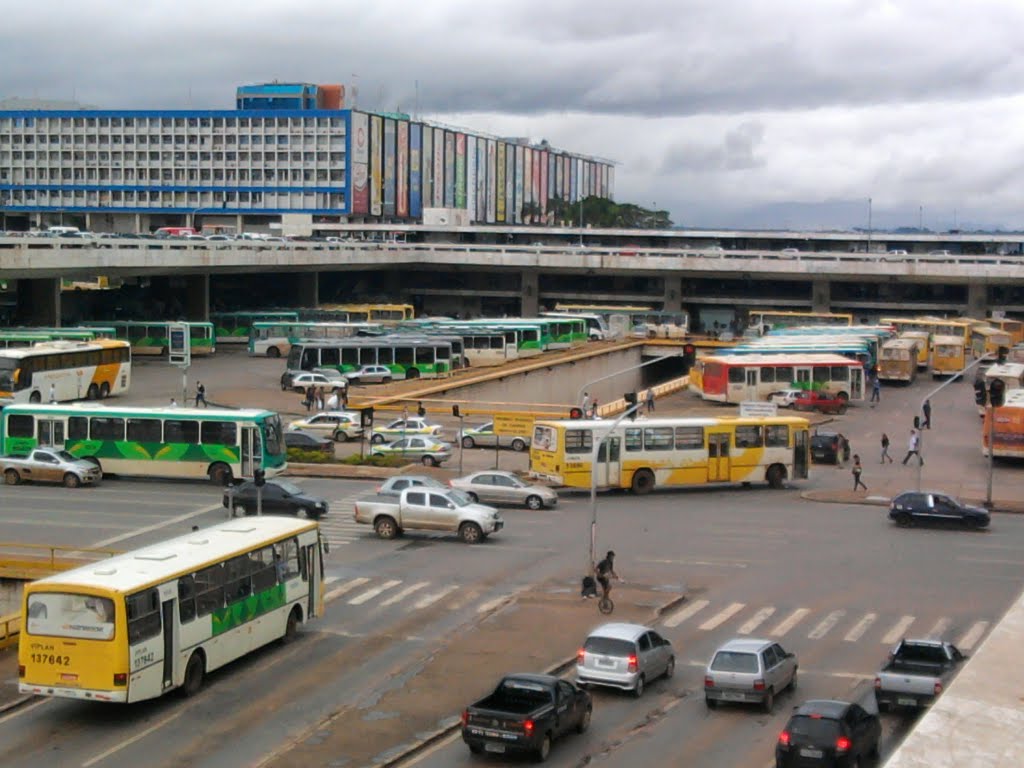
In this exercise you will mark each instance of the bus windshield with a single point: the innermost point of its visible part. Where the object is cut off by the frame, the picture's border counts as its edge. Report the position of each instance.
(62, 614)
(273, 435)
(7, 369)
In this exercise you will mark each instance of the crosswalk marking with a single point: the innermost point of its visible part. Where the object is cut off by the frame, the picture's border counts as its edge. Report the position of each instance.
(373, 592)
(825, 625)
(683, 614)
(756, 620)
(402, 594)
(972, 636)
(939, 628)
(433, 598)
(789, 622)
(861, 627)
(348, 586)
(722, 616)
(898, 630)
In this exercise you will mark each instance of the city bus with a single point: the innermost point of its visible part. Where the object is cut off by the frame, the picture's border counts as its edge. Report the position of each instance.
(214, 443)
(275, 339)
(484, 348)
(671, 453)
(407, 357)
(986, 340)
(1009, 427)
(564, 331)
(529, 338)
(924, 346)
(143, 623)
(597, 326)
(860, 349)
(19, 334)
(765, 320)
(604, 309)
(73, 369)
(360, 313)
(660, 325)
(898, 360)
(948, 355)
(152, 337)
(1013, 327)
(1011, 374)
(936, 326)
(236, 327)
(738, 378)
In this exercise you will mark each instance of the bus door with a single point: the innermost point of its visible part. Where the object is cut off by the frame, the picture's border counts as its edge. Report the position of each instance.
(609, 463)
(718, 457)
(800, 452)
(857, 383)
(50, 432)
(802, 377)
(752, 378)
(167, 609)
(252, 450)
(315, 579)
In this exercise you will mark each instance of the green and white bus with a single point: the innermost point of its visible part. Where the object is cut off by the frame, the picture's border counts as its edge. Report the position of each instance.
(218, 444)
(408, 357)
(24, 336)
(275, 339)
(237, 327)
(152, 337)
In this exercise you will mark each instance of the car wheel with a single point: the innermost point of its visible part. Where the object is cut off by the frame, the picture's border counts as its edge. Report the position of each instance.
(544, 750)
(769, 701)
(377, 439)
(534, 502)
(638, 689)
(467, 442)
(792, 681)
(670, 668)
(71, 480)
(302, 513)
(518, 445)
(471, 533)
(841, 409)
(429, 461)
(476, 749)
(386, 527)
(11, 477)
(584, 722)
(711, 703)
(473, 497)
(904, 520)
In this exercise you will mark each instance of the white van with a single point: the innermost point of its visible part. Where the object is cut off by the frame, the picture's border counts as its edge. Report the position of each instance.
(60, 231)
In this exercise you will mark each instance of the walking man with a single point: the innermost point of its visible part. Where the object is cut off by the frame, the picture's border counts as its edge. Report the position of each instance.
(876, 390)
(53, 393)
(200, 394)
(842, 450)
(912, 445)
(885, 449)
(856, 473)
(585, 405)
(926, 409)
(650, 400)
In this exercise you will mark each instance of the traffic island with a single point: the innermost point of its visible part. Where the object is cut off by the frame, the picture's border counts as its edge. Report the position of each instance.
(538, 631)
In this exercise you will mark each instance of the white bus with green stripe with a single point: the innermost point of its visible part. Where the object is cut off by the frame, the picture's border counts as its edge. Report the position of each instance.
(152, 337)
(408, 357)
(237, 327)
(200, 443)
(144, 623)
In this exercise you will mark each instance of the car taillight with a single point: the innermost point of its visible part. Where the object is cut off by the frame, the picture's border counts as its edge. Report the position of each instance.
(759, 685)
(878, 683)
(580, 656)
(938, 688)
(842, 745)
(709, 681)
(528, 727)
(784, 739)
(21, 670)
(465, 717)
(632, 664)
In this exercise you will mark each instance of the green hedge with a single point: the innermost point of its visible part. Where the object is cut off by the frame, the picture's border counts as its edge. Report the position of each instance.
(302, 456)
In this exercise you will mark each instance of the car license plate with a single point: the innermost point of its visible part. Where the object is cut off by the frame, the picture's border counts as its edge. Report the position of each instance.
(732, 696)
(805, 752)
(498, 748)
(907, 702)
(606, 662)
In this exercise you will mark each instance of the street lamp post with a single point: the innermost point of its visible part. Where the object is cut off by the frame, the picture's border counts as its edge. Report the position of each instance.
(587, 385)
(593, 479)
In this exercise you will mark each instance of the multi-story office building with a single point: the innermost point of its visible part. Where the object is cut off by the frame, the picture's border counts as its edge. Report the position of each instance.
(289, 149)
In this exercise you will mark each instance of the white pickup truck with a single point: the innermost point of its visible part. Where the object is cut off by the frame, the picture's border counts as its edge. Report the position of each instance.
(429, 509)
(50, 465)
(916, 673)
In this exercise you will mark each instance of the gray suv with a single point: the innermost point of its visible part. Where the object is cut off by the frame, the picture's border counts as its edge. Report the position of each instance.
(749, 671)
(626, 656)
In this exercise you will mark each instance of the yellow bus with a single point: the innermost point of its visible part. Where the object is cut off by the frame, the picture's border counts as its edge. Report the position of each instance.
(924, 346)
(1013, 327)
(146, 622)
(360, 313)
(671, 452)
(933, 325)
(765, 320)
(948, 355)
(1009, 427)
(898, 360)
(986, 340)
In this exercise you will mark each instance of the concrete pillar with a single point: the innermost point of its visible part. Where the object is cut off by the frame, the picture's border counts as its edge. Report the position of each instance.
(529, 284)
(138, 223)
(88, 222)
(197, 297)
(977, 300)
(239, 223)
(673, 301)
(821, 295)
(39, 302)
(308, 288)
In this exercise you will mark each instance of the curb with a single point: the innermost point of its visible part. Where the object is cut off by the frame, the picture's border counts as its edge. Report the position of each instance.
(17, 703)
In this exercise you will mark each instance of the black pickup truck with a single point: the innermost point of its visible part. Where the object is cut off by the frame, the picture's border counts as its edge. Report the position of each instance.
(526, 713)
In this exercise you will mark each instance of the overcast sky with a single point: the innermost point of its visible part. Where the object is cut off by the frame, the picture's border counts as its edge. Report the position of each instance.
(781, 114)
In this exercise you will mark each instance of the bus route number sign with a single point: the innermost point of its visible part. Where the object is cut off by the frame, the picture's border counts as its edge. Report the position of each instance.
(179, 347)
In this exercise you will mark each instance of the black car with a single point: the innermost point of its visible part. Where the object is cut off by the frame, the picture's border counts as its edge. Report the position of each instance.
(280, 497)
(927, 506)
(825, 447)
(296, 438)
(830, 734)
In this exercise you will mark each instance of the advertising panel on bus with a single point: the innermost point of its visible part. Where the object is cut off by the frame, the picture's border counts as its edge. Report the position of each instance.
(472, 193)
(427, 165)
(415, 170)
(376, 159)
(360, 191)
(481, 179)
(389, 167)
(449, 169)
(402, 169)
(460, 170)
(438, 168)
(500, 182)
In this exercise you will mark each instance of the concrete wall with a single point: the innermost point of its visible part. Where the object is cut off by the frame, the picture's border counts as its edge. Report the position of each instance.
(10, 596)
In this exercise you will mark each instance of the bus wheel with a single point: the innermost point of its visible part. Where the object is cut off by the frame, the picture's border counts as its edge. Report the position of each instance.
(643, 482)
(220, 474)
(776, 476)
(194, 672)
(11, 477)
(104, 391)
(412, 373)
(35, 397)
(93, 392)
(273, 352)
(291, 628)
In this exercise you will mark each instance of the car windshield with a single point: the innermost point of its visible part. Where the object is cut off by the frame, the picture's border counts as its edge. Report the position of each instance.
(733, 661)
(608, 646)
(290, 488)
(65, 456)
(817, 730)
(517, 482)
(461, 499)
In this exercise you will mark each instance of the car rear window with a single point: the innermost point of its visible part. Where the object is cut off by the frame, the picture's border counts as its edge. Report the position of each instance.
(609, 646)
(816, 729)
(733, 661)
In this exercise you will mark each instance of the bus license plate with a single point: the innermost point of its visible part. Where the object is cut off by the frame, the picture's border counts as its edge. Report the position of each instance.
(498, 748)
(67, 677)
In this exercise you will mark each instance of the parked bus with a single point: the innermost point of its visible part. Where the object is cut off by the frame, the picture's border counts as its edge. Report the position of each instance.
(986, 340)
(237, 327)
(360, 313)
(659, 325)
(1009, 427)
(603, 309)
(765, 320)
(156, 619)
(529, 338)
(948, 355)
(564, 331)
(671, 453)
(1013, 327)
(407, 357)
(484, 348)
(898, 360)
(924, 346)
(275, 339)
(214, 443)
(74, 370)
(42, 333)
(739, 378)
(936, 326)
(859, 349)
(1011, 374)
(152, 337)
(597, 326)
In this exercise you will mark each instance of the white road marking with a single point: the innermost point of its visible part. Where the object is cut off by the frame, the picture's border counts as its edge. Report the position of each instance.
(137, 737)
(898, 630)
(155, 527)
(348, 586)
(825, 625)
(756, 620)
(789, 622)
(372, 593)
(940, 627)
(404, 593)
(683, 614)
(431, 599)
(722, 616)
(861, 627)
(972, 636)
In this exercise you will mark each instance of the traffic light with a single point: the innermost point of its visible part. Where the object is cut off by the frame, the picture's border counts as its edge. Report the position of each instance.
(1001, 355)
(997, 392)
(689, 356)
(576, 413)
(980, 394)
(455, 412)
(259, 478)
(630, 398)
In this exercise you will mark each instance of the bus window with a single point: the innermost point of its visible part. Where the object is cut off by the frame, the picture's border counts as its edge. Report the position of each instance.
(748, 437)
(143, 609)
(186, 599)
(578, 441)
(776, 436)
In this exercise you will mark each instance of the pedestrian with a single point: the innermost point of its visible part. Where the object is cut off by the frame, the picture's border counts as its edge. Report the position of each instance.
(876, 390)
(200, 394)
(926, 409)
(174, 403)
(842, 450)
(856, 473)
(344, 398)
(885, 449)
(332, 401)
(53, 393)
(593, 409)
(586, 403)
(420, 410)
(320, 399)
(912, 447)
(650, 400)
(310, 397)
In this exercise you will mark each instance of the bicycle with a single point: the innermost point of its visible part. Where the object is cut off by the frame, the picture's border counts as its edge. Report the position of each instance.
(605, 605)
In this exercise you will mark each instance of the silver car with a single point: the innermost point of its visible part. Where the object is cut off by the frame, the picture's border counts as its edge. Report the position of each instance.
(626, 656)
(483, 437)
(394, 486)
(749, 671)
(496, 487)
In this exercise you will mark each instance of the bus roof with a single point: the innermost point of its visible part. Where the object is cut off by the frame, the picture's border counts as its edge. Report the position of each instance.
(945, 339)
(706, 421)
(91, 409)
(188, 553)
(769, 357)
(1014, 398)
(1010, 370)
(136, 323)
(63, 345)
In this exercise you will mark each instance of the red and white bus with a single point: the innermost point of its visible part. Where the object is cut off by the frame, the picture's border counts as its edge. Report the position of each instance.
(176, 231)
(740, 378)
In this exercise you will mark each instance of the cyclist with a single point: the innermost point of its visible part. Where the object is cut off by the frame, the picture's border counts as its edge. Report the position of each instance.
(605, 572)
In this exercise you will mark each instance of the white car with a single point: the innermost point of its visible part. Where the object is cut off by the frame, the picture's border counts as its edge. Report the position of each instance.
(399, 428)
(339, 425)
(371, 374)
(300, 381)
(785, 398)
